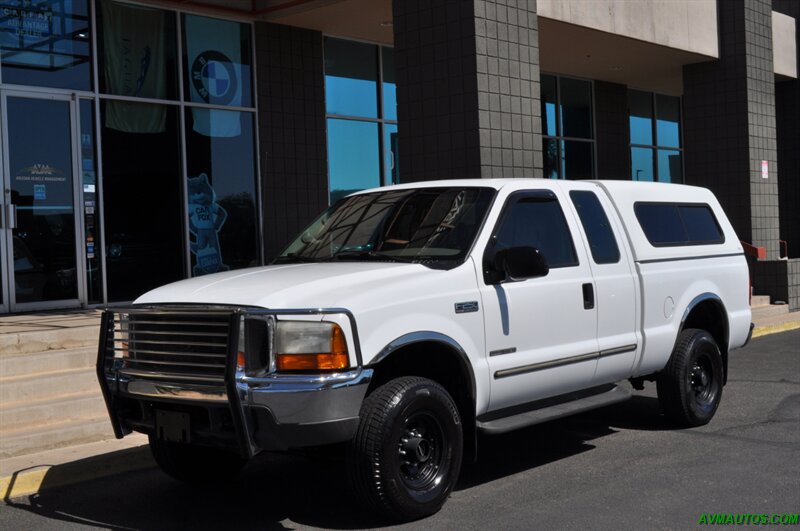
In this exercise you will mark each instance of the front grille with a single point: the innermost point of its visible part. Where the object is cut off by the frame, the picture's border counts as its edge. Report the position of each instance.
(171, 345)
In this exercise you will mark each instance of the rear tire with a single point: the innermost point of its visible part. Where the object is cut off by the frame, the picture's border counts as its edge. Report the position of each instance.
(195, 464)
(405, 458)
(690, 386)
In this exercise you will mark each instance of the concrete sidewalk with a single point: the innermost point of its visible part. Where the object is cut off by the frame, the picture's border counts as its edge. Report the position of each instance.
(30, 474)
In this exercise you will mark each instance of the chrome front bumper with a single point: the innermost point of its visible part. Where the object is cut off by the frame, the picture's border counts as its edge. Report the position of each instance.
(270, 412)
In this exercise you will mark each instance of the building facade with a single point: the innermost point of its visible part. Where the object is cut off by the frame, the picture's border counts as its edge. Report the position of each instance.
(145, 142)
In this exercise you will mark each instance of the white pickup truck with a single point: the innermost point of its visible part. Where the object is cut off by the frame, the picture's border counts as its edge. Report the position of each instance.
(407, 319)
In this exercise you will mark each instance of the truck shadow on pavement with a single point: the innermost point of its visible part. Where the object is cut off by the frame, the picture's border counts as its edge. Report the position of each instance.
(308, 491)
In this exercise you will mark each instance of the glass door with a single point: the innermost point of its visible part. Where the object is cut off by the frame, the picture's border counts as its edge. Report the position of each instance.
(40, 229)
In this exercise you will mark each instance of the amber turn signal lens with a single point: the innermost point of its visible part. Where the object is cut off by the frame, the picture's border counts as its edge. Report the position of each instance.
(311, 362)
(240, 361)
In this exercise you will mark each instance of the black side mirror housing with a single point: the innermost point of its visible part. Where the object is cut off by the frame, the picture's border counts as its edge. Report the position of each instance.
(520, 263)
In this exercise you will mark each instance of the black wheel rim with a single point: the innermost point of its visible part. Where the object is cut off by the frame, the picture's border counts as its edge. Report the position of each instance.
(703, 382)
(422, 450)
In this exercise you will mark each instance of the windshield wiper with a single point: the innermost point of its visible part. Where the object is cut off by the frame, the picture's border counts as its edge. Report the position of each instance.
(361, 255)
(294, 257)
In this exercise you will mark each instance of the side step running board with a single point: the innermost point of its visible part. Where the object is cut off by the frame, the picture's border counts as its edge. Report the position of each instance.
(620, 392)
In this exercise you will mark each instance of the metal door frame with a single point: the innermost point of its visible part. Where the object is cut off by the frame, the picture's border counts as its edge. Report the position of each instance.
(9, 293)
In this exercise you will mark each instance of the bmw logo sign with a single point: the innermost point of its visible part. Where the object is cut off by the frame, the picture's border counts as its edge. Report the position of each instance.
(214, 77)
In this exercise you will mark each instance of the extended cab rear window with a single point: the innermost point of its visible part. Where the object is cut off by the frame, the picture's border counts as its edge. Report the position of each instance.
(677, 224)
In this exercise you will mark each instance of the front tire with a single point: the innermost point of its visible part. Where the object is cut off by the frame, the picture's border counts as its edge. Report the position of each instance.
(690, 386)
(405, 458)
(195, 464)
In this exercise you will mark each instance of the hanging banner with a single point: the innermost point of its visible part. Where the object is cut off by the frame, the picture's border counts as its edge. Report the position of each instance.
(135, 65)
(214, 51)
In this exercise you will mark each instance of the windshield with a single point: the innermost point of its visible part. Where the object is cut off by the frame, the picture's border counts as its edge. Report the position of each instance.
(426, 225)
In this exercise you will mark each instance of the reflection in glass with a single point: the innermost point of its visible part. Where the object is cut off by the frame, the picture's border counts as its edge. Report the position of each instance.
(41, 188)
(137, 55)
(353, 160)
(548, 102)
(217, 63)
(668, 114)
(550, 154)
(46, 43)
(351, 78)
(576, 160)
(576, 108)
(669, 166)
(141, 191)
(221, 191)
(391, 155)
(389, 86)
(640, 110)
(642, 164)
(91, 212)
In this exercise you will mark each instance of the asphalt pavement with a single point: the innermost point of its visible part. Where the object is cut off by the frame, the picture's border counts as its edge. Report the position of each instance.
(621, 467)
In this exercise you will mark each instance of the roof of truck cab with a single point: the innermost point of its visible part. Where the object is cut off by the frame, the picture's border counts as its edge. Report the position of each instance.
(624, 196)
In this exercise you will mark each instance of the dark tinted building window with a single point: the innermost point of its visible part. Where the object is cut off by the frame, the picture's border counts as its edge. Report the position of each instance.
(601, 238)
(538, 222)
(567, 128)
(673, 224)
(655, 134)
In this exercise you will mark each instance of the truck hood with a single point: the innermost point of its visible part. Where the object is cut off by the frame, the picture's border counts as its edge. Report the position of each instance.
(329, 284)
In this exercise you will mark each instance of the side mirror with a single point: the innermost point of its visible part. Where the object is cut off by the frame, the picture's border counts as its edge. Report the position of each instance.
(520, 263)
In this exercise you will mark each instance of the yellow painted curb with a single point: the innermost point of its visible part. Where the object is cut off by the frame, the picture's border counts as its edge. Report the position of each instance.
(774, 329)
(23, 483)
(31, 481)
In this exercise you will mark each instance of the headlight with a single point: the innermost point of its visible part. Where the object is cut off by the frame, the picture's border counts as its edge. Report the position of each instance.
(310, 346)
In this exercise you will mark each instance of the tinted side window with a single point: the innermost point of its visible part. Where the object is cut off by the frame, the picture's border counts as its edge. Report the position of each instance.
(602, 242)
(676, 224)
(538, 222)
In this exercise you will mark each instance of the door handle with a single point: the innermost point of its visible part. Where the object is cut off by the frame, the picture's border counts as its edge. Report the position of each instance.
(12, 217)
(588, 296)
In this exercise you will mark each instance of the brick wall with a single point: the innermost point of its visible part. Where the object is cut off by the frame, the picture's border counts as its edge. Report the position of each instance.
(467, 88)
(293, 151)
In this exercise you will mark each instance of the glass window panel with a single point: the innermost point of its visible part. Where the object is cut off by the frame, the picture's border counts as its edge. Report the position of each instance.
(137, 51)
(548, 102)
(602, 241)
(642, 164)
(391, 155)
(142, 196)
(701, 225)
(389, 85)
(640, 110)
(91, 212)
(576, 108)
(576, 160)
(353, 157)
(540, 224)
(351, 78)
(669, 166)
(668, 119)
(661, 223)
(46, 43)
(221, 190)
(40, 186)
(217, 61)
(550, 153)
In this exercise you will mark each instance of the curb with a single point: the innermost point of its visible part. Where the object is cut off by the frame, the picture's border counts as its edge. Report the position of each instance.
(761, 331)
(38, 479)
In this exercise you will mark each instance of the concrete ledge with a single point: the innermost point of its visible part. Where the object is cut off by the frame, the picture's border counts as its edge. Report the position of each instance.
(766, 330)
(33, 474)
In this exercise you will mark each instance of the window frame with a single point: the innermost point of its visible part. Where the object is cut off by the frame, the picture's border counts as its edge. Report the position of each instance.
(678, 205)
(559, 137)
(541, 194)
(385, 177)
(655, 148)
(586, 232)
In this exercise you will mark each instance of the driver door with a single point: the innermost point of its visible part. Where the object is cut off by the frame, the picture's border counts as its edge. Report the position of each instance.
(541, 333)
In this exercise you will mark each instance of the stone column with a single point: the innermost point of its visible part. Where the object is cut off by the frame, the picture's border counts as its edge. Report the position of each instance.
(467, 76)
